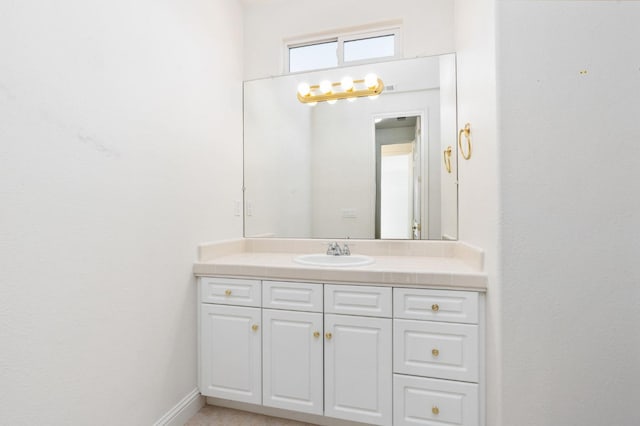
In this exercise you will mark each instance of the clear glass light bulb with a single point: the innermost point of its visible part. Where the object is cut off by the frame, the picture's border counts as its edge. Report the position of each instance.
(347, 83)
(371, 80)
(304, 89)
(326, 86)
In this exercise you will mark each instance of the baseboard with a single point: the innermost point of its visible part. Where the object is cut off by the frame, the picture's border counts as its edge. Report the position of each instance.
(183, 410)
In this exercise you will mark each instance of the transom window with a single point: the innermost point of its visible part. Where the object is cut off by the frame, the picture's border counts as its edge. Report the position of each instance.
(342, 50)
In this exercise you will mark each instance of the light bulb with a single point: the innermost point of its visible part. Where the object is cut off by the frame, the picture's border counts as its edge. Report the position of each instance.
(351, 99)
(372, 97)
(347, 83)
(371, 81)
(312, 104)
(332, 101)
(304, 89)
(325, 86)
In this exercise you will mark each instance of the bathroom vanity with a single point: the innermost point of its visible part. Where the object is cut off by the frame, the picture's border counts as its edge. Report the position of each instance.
(394, 342)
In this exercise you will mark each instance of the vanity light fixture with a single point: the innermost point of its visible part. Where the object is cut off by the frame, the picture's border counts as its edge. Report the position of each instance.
(347, 88)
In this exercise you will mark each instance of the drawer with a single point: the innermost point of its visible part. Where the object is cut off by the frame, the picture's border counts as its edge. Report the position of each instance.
(436, 305)
(358, 300)
(432, 402)
(292, 296)
(435, 349)
(230, 291)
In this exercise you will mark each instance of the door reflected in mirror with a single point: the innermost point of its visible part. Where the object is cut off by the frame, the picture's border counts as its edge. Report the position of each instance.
(398, 175)
(363, 169)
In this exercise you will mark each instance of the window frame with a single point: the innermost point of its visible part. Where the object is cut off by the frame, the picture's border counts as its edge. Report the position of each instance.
(340, 39)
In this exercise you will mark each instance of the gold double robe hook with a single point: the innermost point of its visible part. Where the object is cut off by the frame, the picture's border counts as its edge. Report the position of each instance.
(467, 134)
(447, 159)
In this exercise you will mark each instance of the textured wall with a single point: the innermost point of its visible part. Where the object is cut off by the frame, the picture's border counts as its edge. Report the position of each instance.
(479, 217)
(120, 151)
(569, 87)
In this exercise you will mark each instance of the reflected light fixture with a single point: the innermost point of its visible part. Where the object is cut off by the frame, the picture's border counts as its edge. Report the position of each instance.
(347, 88)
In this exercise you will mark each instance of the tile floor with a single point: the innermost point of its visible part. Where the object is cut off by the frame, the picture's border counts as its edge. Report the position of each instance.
(210, 416)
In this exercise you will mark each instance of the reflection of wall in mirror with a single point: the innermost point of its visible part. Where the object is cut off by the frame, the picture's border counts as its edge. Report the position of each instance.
(448, 120)
(277, 175)
(347, 180)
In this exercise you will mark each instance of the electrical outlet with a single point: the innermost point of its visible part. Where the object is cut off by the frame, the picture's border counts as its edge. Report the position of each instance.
(349, 213)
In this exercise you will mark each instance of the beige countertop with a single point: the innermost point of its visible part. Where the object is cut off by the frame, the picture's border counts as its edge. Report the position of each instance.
(432, 264)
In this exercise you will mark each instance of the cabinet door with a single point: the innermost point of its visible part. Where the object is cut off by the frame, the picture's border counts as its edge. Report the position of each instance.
(358, 377)
(230, 353)
(292, 360)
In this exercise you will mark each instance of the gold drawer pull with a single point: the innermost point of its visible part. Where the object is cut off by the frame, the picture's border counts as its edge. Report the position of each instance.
(435, 352)
(227, 292)
(254, 327)
(435, 410)
(435, 307)
(328, 336)
(316, 334)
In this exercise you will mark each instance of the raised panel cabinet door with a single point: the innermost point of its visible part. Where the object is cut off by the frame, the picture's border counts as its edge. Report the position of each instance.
(230, 353)
(358, 376)
(292, 360)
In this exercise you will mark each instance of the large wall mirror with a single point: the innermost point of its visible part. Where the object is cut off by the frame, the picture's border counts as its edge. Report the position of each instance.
(371, 168)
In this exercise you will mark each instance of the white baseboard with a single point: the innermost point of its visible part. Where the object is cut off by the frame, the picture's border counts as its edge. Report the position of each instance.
(183, 410)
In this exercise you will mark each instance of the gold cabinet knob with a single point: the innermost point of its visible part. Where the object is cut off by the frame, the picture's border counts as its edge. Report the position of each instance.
(316, 334)
(435, 307)
(435, 410)
(227, 292)
(254, 327)
(328, 336)
(435, 352)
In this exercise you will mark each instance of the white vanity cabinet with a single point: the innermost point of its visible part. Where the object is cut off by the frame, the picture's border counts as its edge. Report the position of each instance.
(230, 339)
(292, 346)
(358, 354)
(378, 355)
(436, 357)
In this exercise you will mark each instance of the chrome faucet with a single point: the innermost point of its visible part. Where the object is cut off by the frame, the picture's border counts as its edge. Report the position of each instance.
(335, 249)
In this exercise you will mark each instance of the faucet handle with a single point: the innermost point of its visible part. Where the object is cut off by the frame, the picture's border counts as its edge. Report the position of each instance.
(334, 249)
(346, 251)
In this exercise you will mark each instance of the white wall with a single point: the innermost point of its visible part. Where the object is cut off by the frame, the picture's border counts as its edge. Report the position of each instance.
(277, 164)
(427, 26)
(479, 217)
(120, 151)
(569, 87)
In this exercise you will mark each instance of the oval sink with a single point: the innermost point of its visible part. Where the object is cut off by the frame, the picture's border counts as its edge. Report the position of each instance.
(321, 259)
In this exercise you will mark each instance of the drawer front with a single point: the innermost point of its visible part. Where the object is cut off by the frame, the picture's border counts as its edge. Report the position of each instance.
(358, 300)
(436, 305)
(292, 296)
(433, 349)
(432, 402)
(230, 291)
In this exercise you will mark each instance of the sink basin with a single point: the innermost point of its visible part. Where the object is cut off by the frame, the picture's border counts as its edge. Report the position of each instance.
(321, 259)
